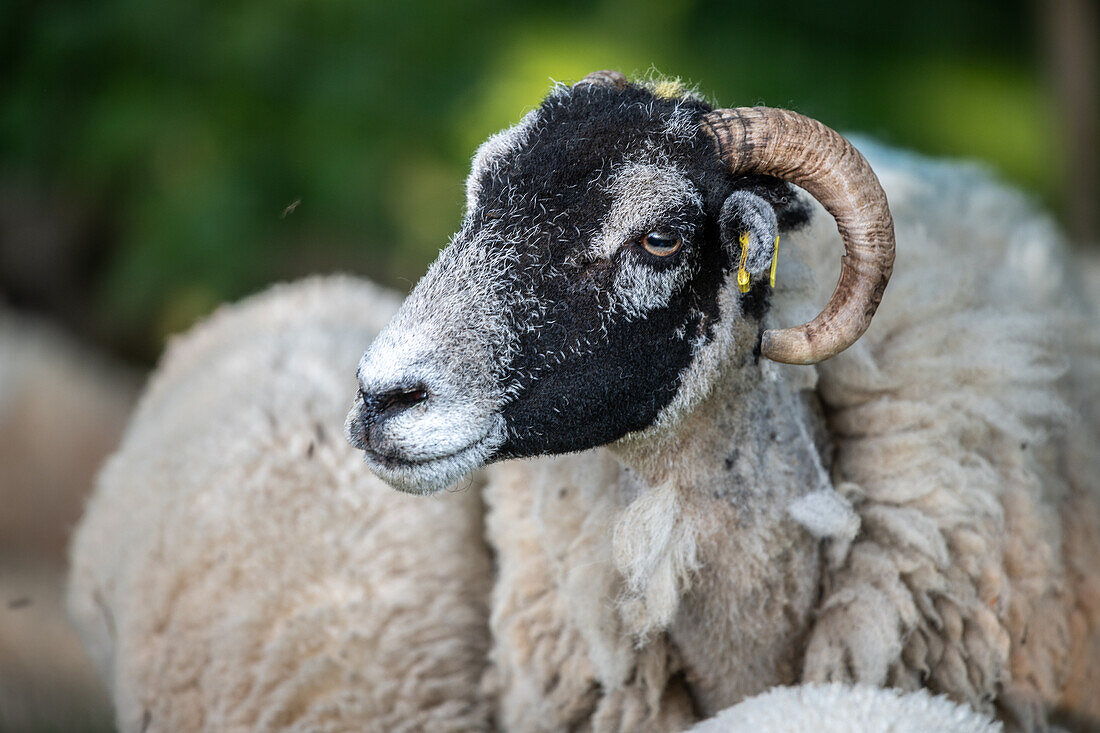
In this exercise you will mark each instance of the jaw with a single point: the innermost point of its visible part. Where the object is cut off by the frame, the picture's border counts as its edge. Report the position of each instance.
(724, 378)
(716, 359)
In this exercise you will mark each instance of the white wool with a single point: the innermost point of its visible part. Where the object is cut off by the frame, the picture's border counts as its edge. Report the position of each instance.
(549, 523)
(838, 708)
(653, 546)
(239, 569)
(945, 416)
(826, 514)
(944, 512)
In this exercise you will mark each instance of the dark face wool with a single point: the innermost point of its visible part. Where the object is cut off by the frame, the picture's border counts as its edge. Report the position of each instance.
(584, 374)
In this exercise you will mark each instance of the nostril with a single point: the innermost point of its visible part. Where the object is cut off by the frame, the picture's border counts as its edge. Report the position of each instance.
(398, 400)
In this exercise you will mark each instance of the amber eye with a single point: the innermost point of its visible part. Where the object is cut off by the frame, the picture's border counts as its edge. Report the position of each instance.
(661, 244)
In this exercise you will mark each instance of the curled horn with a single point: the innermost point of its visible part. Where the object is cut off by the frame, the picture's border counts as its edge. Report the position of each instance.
(802, 151)
(604, 78)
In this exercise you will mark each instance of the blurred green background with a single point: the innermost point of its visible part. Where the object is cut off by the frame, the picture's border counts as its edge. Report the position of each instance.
(157, 158)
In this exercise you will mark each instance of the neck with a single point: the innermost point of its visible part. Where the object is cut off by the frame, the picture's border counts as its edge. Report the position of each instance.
(754, 431)
(748, 573)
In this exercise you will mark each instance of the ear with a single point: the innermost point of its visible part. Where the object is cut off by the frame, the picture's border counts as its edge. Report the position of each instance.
(746, 212)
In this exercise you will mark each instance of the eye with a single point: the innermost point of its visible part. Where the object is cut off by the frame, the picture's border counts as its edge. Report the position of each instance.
(661, 244)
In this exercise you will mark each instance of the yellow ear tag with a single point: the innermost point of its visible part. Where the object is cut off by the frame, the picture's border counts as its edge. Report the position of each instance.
(775, 259)
(742, 273)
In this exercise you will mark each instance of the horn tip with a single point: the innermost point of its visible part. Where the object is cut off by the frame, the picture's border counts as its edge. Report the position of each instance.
(792, 346)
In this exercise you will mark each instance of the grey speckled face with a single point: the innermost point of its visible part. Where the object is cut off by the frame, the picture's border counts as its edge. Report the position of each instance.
(587, 276)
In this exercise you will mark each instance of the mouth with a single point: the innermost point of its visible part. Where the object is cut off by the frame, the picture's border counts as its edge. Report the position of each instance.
(433, 474)
(393, 461)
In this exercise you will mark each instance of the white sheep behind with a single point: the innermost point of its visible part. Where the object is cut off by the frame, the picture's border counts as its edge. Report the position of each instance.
(63, 407)
(837, 708)
(238, 569)
(53, 391)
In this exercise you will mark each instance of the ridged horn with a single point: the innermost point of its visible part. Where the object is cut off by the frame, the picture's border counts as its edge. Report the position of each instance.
(802, 151)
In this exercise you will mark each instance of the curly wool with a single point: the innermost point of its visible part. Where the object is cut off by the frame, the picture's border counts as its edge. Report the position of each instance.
(960, 550)
(969, 470)
(833, 708)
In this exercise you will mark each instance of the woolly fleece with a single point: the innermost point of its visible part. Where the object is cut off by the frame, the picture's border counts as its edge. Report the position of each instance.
(239, 570)
(837, 708)
(669, 576)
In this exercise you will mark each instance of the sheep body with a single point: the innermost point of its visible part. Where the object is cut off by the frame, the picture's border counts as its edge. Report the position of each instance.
(237, 569)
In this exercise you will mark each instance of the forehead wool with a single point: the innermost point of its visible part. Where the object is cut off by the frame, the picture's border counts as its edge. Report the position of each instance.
(575, 141)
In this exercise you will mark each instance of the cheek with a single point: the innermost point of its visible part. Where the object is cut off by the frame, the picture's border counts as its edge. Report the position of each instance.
(590, 394)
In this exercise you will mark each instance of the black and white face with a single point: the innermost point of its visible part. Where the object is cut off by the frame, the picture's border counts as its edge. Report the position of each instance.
(594, 271)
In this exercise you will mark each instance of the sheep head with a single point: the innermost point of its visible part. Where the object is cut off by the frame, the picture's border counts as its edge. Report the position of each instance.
(593, 285)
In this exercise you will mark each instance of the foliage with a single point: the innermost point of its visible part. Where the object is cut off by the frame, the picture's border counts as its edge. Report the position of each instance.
(190, 128)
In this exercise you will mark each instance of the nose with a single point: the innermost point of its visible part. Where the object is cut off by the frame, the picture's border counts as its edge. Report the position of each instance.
(378, 407)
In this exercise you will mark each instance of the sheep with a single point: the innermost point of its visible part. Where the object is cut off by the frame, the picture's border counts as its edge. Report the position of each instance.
(696, 522)
(237, 569)
(833, 708)
(51, 385)
(708, 520)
